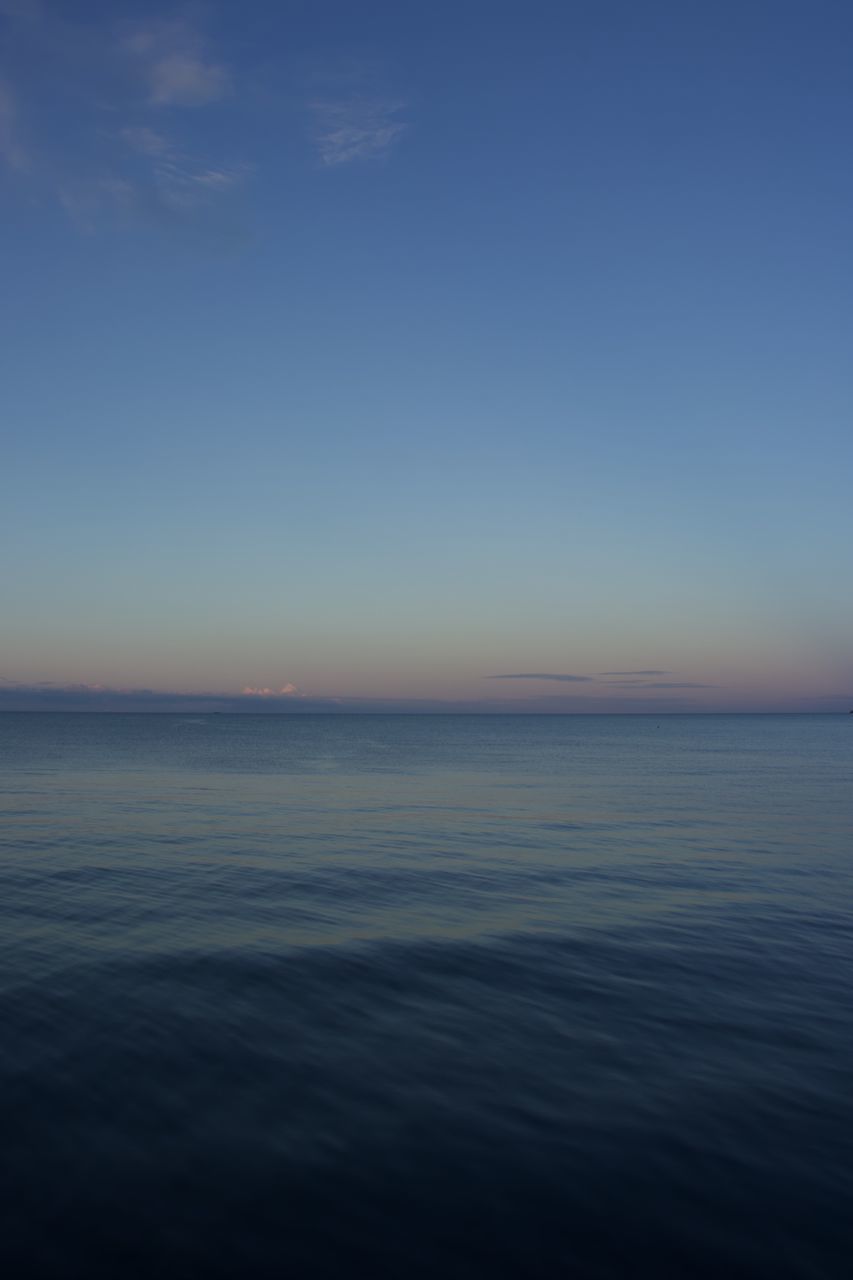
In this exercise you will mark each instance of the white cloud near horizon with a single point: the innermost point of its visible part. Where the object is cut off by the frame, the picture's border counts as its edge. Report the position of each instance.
(286, 691)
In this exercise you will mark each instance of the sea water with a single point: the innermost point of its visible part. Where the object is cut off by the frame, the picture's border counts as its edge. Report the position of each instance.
(427, 996)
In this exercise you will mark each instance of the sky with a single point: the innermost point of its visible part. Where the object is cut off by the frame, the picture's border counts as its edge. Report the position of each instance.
(478, 355)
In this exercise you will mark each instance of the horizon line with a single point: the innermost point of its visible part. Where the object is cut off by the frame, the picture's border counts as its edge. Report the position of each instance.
(301, 715)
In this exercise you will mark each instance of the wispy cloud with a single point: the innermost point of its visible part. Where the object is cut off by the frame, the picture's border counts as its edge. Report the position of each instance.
(540, 675)
(148, 142)
(678, 684)
(122, 120)
(175, 65)
(634, 673)
(616, 685)
(85, 200)
(636, 680)
(169, 196)
(129, 97)
(351, 129)
(179, 181)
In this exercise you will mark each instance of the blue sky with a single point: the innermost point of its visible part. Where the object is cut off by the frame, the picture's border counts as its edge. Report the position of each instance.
(371, 351)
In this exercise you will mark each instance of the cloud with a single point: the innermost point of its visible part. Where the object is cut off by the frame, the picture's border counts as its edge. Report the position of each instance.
(656, 684)
(84, 201)
(347, 130)
(175, 66)
(127, 98)
(155, 181)
(146, 141)
(634, 673)
(540, 675)
(176, 180)
(50, 695)
(183, 80)
(677, 684)
(287, 691)
(614, 684)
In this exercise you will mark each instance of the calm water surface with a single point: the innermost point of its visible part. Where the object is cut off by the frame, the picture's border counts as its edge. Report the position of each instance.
(426, 996)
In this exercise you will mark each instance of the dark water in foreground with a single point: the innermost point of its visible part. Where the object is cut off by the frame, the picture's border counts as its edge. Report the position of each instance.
(438, 996)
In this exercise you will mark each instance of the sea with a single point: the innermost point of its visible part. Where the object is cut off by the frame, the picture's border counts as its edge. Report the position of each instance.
(426, 996)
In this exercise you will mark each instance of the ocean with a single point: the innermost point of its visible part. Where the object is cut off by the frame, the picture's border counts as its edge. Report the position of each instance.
(426, 996)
